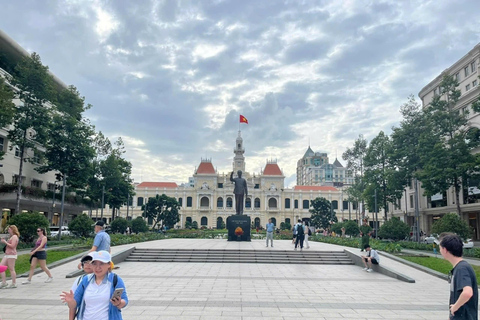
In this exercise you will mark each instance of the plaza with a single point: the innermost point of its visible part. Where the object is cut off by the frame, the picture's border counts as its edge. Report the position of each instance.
(164, 290)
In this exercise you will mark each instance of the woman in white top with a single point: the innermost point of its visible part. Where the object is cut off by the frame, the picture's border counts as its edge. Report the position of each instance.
(305, 231)
(10, 257)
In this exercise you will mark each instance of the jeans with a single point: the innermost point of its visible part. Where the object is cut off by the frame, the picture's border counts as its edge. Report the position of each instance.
(270, 236)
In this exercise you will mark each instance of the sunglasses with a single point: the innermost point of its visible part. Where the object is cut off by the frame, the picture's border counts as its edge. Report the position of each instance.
(39, 230)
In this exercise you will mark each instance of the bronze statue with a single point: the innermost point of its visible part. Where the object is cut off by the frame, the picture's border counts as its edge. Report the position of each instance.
(240, 191)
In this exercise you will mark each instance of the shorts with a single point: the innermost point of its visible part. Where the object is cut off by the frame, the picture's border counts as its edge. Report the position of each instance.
(40, 255)
(10, 256)
(374, 261)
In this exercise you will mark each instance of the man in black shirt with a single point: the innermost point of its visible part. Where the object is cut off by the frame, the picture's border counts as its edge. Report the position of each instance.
(463, 283)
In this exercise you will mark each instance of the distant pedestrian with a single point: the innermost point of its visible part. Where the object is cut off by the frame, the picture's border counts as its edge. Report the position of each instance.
(270, 229)
(39, 255)
(300, 234)
(462, 279)
(10, 257)
(370, 259)
(307, 233)
(343, 232)
(365, 230)
(102, 239)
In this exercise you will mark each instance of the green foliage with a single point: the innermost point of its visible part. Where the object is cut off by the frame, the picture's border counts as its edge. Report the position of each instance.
(322, 214)
(119, 225)
(139, 225)
(195, 225)
(163, 208)
(337, 228)
(451, 222)
(285, 226)
(394, 229)
(81, 226)
(27, 224)
(351, 228)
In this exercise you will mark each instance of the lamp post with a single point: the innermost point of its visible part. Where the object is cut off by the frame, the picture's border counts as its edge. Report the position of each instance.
(103, 202)
(62, 207)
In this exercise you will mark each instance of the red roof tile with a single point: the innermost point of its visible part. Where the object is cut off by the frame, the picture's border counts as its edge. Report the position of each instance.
(315, 188)
(205, 168)
(157, 185)
(272, 169)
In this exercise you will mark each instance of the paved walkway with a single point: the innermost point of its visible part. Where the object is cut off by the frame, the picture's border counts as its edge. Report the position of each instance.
(245, 291)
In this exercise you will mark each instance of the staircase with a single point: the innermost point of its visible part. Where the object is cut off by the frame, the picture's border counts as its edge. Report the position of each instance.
(240, 256)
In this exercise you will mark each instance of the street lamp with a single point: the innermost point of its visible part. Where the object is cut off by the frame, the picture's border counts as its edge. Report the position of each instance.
(62, 206)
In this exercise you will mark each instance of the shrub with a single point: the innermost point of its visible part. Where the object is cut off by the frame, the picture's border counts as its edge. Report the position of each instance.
(27, 224)
(139, 225)
(337, 228)
(119, 225)
(195, 225)
(351, 228)
(81, 226)
(394, 229)
(451, 222)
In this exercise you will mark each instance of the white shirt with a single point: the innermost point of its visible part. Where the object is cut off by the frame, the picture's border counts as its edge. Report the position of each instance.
(97, 300)
(374, 254)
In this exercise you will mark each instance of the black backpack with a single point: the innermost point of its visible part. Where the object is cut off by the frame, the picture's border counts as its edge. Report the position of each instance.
(300, 230)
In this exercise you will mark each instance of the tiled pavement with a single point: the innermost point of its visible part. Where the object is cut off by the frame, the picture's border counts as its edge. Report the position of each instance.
(245, 291)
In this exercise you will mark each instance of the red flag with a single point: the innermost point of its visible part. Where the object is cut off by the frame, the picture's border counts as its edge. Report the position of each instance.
(243, 119)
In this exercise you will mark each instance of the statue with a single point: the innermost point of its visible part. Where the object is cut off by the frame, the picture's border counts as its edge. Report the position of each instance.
(240, 191)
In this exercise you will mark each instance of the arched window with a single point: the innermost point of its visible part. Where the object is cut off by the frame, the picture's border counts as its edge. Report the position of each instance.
(306, 204)
(274, 221)
(204, 202)
(248, 202)
(220, 202)
(272, 203)
(229, 202)
(296, 203)
(189, 202)
(180, 201)
(287, 203)
(335, 204)
(287, 220)
(257, 222)
(204, 221)
(189, 219)
(257, 203)
(140, 201)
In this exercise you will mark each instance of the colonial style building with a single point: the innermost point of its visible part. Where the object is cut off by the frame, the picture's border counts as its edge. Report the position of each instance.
(210, 199)
(431, 208)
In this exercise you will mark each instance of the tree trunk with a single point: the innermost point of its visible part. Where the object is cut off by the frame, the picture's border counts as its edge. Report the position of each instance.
(457, 199)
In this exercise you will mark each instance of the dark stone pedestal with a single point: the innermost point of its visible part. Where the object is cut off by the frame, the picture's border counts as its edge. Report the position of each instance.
(242, 221)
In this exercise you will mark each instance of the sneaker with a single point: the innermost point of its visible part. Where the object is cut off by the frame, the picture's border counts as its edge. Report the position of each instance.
(27, 281)
(365, 269)
(49, 279)
(3, 285)
(295, 249)
(12, 286)
(369, 270)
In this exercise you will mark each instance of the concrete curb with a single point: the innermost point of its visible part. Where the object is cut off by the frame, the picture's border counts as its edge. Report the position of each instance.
(116, 258)
(416, 266)
(379, 268)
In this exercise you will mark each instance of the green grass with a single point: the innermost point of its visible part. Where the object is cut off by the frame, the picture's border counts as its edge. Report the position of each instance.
(438, 264)
(23, 265)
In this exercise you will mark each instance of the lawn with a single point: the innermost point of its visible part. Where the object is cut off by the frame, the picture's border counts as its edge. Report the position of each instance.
(438, 264)
(22, 264)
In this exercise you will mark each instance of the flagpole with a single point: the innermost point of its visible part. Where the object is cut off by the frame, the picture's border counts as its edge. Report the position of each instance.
(238, 122)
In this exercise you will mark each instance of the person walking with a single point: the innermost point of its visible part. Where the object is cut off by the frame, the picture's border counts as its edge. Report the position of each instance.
(38, 255)
(462, 279)
(270, 229)
(299, 228)
(308, 233)
(102, 239)
(10, 257)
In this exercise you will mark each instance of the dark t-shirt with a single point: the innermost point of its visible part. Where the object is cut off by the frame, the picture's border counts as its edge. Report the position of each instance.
(464, 276)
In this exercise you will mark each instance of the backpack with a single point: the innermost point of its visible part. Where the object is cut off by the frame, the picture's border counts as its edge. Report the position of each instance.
(309, 231)
(300, 230)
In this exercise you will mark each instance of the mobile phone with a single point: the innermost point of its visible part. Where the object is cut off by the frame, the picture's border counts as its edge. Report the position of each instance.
(117, 293)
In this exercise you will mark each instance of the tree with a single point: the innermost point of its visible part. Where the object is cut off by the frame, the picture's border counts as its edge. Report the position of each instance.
(162, 208)
(351, 228)
(81, 226)
(355, 163)
(381, 174)
(322, 214)
(194, 225)
(32, 117)
(452, 222)
(394, 229)
(27, 224)
(446, 151)
(7, 107)
(119, 225)
(139, 225)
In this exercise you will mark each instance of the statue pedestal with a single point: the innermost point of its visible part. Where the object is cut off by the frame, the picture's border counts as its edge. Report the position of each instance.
(239, 221)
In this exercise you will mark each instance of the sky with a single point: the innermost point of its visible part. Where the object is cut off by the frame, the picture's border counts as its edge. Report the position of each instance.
(172, 77)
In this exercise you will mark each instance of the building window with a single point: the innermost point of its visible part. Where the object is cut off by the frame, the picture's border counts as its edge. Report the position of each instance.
(274, 221)
(272, 203)
(220, 185)
(467, 87)
(257, 203)
(180, 201)
(140, 201)
(473, 66)
(189, 219)
(411, 201)
(2, 144)
(220, 202)
(37, 157)
(15, 180)
(467, 71)
(229, 202)
(51, 187)
(36, 183)
(457, 76)
(189, 202)
(474, 83)
(306, 204)
(335, 204)
(204, 221)
(17, 151)
(287, 203)
(204, 202)
(295, 203)
(257, 186)
(248, 203)
(345, 205)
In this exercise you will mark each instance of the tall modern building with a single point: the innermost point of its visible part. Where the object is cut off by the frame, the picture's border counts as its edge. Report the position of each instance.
(314, 169)
(465, 70)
